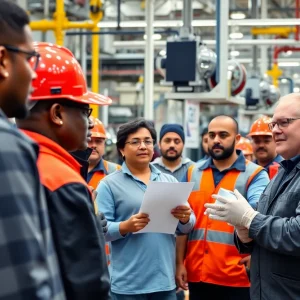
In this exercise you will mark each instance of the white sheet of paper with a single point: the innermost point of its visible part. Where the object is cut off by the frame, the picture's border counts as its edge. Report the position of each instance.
(159, 199)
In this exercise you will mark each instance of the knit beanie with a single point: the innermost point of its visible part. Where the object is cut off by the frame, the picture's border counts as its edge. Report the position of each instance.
(172, 128)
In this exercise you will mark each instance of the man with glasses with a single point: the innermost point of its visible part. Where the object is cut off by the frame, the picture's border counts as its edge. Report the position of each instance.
(264, 146)
(28, 264)
(272, 233)
(59, 123)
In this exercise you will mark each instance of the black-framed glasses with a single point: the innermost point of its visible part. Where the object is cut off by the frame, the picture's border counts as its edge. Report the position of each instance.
(32, 56)
(282, 123)
(72, 104)
(137, 143)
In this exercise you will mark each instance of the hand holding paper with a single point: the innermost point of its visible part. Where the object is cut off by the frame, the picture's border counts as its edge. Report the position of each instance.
(182, 213)
(165, 203)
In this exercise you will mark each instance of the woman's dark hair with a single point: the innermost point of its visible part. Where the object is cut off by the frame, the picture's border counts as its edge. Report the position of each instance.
(132, 127)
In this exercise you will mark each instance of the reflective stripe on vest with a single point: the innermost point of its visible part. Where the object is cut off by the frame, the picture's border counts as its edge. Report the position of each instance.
(212, 236)
(211, 255)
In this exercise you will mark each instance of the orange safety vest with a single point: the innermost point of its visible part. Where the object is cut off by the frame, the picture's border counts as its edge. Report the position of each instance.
(94, 181)
(98, 176)
(211, 255)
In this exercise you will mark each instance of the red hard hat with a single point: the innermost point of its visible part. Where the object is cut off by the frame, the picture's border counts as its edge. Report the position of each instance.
(245, 145)
(261, 127)
(98, 130)
(59, 75)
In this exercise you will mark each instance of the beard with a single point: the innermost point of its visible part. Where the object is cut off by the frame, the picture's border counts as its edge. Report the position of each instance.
(227, 152)
(171, 158)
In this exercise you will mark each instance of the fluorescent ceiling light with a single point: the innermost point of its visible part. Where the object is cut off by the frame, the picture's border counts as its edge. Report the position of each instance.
(296, 76)
(155, 36)
(234, 53)
(237, 15)
(283, 80)
(236, 35)
(289, 64)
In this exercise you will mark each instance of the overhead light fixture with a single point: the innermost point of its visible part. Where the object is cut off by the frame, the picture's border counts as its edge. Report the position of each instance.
(234, 53)
(236, 35)
(289, 64)
(296, 76)
(162, 52)
(283, 80)
(237, 15)
(155, 36)
(296, 90)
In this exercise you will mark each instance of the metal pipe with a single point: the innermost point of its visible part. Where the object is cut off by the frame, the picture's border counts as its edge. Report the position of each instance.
(59, 16)
(277, 51)
(187, 15)
(254, 14)
(149, 62)
(239, 43)
(297, 16)
(202, 23)
(264, 49)
(119, 14)
(121, 32)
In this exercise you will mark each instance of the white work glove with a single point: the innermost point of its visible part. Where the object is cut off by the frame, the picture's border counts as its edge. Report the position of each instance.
(243, 234)
(237, 212)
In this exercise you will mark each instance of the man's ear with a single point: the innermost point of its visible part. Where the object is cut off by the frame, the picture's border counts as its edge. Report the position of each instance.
(237, 138)
(3, 62)
(56, 114)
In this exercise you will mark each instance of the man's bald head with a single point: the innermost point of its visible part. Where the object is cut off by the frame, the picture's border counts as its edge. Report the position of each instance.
(226, 120)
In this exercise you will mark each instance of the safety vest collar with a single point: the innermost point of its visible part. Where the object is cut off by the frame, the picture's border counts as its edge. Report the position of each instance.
(238, 165)
(52, 148)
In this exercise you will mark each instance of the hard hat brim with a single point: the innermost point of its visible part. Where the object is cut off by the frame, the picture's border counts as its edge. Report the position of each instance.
(260, 133)
(87, 98)
(98, 135)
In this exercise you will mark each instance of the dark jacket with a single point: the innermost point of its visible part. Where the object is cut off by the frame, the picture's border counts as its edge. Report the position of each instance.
(82, 156)
(78, 238)
(275, 260)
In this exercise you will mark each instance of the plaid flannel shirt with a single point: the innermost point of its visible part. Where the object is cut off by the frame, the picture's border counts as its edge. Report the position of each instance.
(28, 262)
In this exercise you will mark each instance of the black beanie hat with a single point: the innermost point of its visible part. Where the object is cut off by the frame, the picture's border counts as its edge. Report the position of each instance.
(172, 128)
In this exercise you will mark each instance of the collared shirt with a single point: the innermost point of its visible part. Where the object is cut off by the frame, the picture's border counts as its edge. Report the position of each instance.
(257, 185)
(100, 167)
(28, 262)
(290, 164)
(277, 159)
(140, 263)
(178, 172)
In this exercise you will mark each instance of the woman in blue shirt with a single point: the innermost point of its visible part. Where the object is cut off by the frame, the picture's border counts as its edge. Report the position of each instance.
(142, 265)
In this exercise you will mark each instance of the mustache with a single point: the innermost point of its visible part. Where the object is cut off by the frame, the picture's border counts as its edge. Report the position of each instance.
(94, 149)
(171, 149)
(261, 149)
(217, 147)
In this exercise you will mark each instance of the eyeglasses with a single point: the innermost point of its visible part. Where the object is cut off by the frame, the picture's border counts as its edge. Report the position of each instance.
(32, 56)
(137, 143)
(86, 110)
(282, 123)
